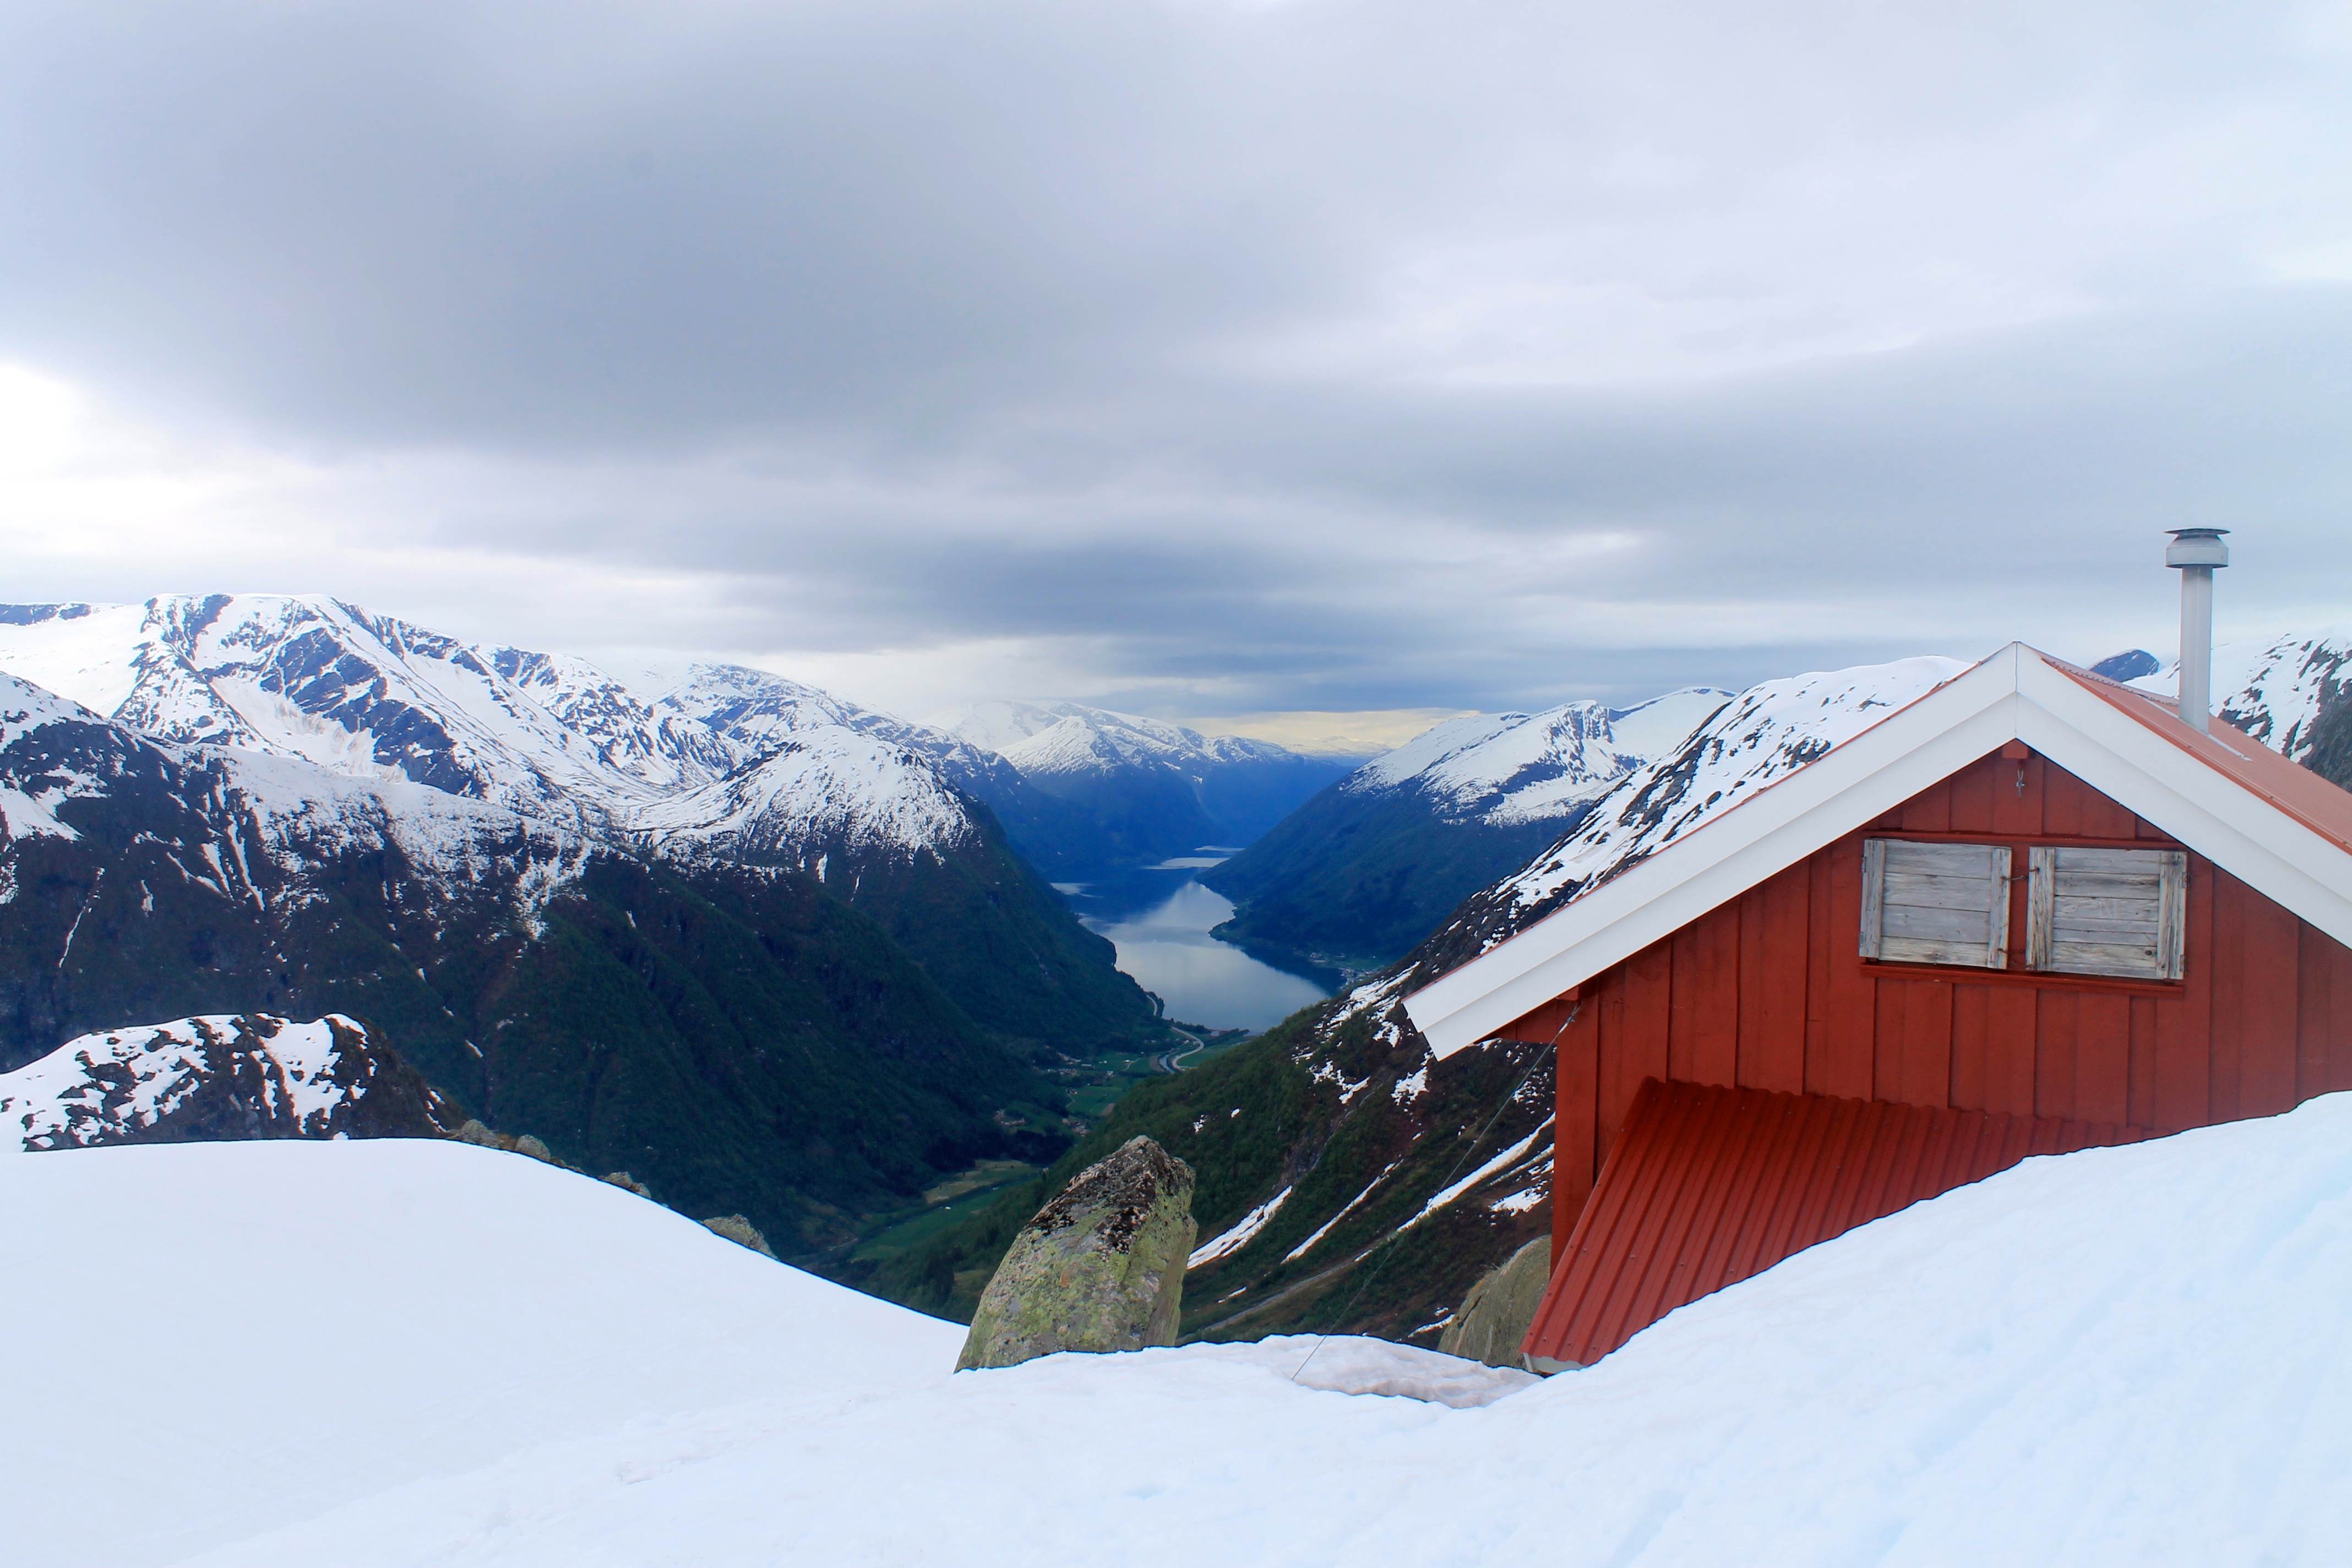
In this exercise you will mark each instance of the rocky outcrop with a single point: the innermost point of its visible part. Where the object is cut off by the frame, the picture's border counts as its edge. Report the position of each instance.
(1101, 1268)
(1493, 1320)
(742, 1232)
(475, 1132)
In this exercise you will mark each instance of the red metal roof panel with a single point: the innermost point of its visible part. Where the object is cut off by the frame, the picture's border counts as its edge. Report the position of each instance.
(2293, 789)
(1707, 1186)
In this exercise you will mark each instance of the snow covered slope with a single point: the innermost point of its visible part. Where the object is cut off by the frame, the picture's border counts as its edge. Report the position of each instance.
(228, 1076)
(430, 1353)
(1768, 732)
(2292, 692)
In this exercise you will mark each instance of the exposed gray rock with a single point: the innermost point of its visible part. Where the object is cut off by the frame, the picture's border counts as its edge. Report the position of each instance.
(622, 1179)
(741, 1231)
(1101, 1268)
(473, 1132)
(1493, 1320)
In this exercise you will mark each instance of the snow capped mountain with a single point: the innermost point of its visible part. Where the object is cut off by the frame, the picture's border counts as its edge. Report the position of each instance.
(751, 943)
(1049, 739)
(740, 1036)
(1509, 768)
(314, 678)
(545, 735)
(1156, 788)
(1358, 875)
(2292, 692)
(1768, 731)
(228, 1076)
(824, 791)
(246, 825)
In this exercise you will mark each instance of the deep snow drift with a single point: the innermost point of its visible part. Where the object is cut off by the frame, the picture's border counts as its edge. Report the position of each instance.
(395, 1352)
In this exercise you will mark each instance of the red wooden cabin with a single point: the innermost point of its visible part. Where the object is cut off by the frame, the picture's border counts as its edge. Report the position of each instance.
(2030, 912)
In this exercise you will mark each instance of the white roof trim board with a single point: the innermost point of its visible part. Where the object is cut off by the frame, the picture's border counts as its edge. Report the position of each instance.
(2016, 694)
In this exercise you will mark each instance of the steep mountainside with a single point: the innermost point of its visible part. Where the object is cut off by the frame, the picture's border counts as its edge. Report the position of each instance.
(1157, 789)
(234, 1076)
(728, 766)
(2292, 692)
(1348, 1179)
(1357, 876)
(730, 1031)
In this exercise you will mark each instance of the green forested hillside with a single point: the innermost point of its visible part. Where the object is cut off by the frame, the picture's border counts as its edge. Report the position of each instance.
(1310, 1111)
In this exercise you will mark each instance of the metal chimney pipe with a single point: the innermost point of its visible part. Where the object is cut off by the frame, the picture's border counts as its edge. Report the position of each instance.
(2196, 551)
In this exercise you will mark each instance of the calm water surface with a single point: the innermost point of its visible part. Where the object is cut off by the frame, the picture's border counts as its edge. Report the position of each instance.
(1160, 921)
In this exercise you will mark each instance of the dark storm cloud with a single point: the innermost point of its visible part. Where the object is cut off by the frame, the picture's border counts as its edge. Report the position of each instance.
(1313, 355)
(1498, 548)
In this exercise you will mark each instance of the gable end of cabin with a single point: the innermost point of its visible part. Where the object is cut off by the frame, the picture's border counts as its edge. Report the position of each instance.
(2009, 942)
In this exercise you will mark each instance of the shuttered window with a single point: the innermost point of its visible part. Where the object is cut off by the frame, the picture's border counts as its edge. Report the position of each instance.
(2107, 911)
(1935, 903)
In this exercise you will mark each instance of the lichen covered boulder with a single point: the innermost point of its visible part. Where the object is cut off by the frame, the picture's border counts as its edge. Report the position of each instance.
(1101, 1268)
(1493, 1320)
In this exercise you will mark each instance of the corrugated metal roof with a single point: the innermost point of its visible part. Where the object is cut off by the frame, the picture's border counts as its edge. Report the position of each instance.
(1707, 1185)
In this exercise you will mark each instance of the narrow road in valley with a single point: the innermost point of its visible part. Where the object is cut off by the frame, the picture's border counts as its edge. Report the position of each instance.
(1173, 1061)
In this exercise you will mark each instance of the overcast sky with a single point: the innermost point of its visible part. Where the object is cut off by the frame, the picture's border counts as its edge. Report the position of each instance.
(1196, 357)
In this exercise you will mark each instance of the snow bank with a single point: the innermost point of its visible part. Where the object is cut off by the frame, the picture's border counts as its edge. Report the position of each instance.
(391, 1355)
(209, 1340)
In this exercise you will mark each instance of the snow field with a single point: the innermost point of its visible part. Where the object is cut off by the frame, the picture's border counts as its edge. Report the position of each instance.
(227, 1337)
(374, 1354)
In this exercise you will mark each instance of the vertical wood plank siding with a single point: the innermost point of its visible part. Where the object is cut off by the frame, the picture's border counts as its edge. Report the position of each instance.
(1768, 992)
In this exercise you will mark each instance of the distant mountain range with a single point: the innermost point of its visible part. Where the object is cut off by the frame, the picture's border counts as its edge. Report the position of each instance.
(1358, 875)
(1155, 789)
(771, 950)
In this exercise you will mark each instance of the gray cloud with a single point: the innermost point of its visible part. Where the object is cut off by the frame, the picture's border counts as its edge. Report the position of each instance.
(1231, 356)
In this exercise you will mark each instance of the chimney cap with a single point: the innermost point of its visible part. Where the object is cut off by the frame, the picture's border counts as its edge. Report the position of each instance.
(2196, 547)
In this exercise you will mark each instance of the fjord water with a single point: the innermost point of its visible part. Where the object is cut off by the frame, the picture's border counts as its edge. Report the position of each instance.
(1159, 919)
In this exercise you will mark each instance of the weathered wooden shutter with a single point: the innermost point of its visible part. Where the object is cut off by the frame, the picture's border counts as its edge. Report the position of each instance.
(2107, 911)
(1935, 903)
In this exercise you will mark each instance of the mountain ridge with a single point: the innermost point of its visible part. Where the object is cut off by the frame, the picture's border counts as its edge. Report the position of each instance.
(1157, 789)
(747, 965)
(1360, 873)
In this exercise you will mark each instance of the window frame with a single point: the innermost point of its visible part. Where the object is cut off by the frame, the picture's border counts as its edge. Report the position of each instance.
(2045, 953)
(1933, 951)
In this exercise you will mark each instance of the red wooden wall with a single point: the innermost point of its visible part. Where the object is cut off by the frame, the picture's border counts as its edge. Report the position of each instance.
(1768, 992)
